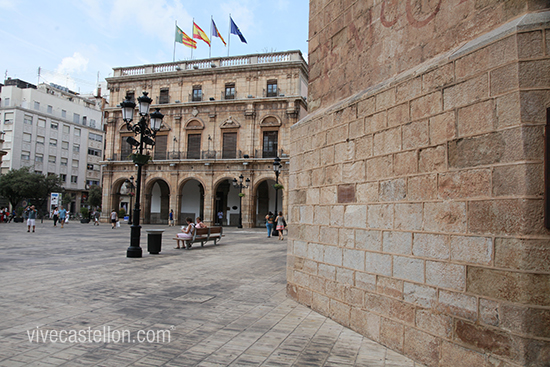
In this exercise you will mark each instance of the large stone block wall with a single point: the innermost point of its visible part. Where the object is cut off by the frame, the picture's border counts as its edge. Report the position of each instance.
(416, 204)
(355, 44)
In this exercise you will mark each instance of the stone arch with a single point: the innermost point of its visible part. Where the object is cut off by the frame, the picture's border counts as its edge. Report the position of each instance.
(118, 199)
(226, 200)
(190, 201)
(194, 123)
(270, 121)
(157, 201)
(263, 196)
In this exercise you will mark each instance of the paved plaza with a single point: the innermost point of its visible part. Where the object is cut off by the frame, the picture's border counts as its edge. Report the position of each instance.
(71, 297)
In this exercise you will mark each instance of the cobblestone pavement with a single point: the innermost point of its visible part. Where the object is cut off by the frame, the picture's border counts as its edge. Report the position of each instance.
(73, 292)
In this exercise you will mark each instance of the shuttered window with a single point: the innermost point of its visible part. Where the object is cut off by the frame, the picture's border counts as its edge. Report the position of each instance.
(193, 146)
(161, 146)
(229, 146)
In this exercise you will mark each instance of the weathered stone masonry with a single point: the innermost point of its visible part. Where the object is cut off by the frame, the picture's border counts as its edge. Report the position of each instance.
(416, 188)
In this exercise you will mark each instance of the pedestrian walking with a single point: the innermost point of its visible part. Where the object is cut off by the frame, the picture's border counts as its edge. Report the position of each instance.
(269, 219)
(114, 218)
(171, 218)
(220, 217)
(12, 215)
(55, 216)
(96, 217)
(62, 215)
(281, 225)
(31, 218)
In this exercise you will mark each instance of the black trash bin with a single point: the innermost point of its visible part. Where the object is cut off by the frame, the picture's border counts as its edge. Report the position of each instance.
(154, 240)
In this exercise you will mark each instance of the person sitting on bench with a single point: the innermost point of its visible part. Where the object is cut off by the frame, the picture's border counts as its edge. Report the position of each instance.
(199, 223)
(187, 232)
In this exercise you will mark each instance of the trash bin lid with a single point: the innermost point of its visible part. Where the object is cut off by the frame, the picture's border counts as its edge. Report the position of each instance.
(154, 230)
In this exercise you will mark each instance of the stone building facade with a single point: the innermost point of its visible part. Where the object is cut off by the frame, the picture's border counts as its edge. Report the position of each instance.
(417, 179)
(222, 118)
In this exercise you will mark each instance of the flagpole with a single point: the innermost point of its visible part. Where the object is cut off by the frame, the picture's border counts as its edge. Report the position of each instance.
(229, 36)
(211, 38)
(174, 58)
(192, 36)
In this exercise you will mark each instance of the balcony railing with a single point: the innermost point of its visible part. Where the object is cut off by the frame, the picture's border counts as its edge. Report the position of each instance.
(203, 155)
(186, 66)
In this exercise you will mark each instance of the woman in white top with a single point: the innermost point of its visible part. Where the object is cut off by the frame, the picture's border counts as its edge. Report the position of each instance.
(187, 231)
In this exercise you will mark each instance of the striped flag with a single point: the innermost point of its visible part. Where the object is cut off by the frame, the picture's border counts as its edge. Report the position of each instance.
(216, 33)
(198, 33)
(181, 37)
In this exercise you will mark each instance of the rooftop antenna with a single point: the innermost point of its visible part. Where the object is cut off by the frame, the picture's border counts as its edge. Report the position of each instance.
(38, 75)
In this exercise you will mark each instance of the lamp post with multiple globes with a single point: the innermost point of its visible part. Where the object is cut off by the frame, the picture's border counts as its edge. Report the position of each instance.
(146, 137)
(130, 187)
(241, 186)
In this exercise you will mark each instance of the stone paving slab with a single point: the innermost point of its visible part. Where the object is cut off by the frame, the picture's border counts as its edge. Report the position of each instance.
(73, 292)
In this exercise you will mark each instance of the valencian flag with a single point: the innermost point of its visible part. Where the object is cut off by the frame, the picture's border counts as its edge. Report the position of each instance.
(216, 33)
(181, 37)
(236, 30)
(199, 34)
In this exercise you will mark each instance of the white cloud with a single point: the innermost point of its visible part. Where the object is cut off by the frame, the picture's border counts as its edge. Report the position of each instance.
(154, 18)
(73, 64)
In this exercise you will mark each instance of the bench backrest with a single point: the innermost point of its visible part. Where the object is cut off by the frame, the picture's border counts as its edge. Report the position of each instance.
(206, 232)
(201, 231)
(215, 230)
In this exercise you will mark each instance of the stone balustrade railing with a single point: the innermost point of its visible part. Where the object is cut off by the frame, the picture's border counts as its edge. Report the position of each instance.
(209, 63)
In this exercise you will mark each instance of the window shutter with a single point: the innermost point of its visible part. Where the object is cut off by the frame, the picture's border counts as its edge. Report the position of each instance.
(161, 145)
(229, 145)
(193, 146)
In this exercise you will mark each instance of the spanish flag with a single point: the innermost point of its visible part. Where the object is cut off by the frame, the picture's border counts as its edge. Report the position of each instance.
(216, 33)
(199, 34)
(181, 37)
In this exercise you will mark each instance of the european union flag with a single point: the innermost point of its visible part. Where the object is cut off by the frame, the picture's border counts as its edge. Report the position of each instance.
(236, 30)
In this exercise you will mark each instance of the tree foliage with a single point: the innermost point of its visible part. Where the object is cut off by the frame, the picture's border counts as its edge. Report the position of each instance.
(95, 196)
(20, 184)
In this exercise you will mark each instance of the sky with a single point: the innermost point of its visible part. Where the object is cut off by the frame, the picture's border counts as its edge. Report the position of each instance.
(77, 43)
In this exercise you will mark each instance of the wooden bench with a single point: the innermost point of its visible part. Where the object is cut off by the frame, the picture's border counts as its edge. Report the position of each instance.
(202, 235)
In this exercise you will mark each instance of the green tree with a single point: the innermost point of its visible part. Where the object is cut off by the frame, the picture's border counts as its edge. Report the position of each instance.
(14, 185)
(20, 184)
(43, 187)
(95, 196)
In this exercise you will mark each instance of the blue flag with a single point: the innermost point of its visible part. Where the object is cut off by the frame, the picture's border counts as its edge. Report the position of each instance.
(236, 30)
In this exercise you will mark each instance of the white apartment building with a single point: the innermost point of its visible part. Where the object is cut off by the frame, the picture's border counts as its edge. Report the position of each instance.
(55, 131)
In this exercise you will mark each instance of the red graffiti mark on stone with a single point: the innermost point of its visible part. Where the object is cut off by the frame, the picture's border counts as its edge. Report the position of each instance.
(385, 22)
(410, 14)
(421, 23)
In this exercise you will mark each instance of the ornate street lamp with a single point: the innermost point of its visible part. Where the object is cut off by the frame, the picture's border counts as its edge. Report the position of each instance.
(277, 170)
(241, 186)
(130, 187)
(146, 137)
